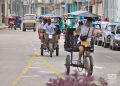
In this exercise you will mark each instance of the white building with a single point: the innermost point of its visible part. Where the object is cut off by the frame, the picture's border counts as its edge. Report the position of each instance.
(113, 10)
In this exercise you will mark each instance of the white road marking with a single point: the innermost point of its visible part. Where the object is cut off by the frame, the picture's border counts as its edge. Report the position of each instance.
(31, 76)
(108, 56)
(112, 79)
(37, 63)
(98, 67)
(46, 72)
(112, 76)
(35, 67)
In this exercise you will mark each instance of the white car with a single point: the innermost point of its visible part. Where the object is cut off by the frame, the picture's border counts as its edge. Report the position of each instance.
(99, 28)
(106, 35)
(29, 22)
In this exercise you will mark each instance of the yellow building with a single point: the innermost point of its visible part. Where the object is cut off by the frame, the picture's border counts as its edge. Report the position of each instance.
(97, 7)
(49, 6)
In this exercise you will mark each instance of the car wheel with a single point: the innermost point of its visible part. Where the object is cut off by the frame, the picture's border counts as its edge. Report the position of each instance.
(99, 43)
(95, 42)
(24, 29)
(102, 44)
(113, 47)
(34, 29)
(105, 44)
(110, 47)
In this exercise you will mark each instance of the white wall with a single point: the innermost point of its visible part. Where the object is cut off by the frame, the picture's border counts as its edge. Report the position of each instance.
(113, 9)
(0, 7)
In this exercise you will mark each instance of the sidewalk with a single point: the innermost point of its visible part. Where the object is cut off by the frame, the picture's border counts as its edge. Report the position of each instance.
(3, 27)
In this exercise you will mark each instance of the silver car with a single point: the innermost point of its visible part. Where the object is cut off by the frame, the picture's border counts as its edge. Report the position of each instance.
(115, 38)
(106, 35)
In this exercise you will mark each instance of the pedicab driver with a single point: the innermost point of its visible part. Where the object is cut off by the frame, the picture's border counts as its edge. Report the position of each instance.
(49, 28)
(86, 30)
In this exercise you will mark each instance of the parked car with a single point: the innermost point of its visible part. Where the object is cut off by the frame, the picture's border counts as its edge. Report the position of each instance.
(106, 36)
(115, 38)
(99, 28)
(29, 22)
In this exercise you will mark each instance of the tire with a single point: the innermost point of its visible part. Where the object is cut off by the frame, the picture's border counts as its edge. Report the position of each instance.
(110, 47)
(34, 29)
(95, 42)
(67, 64)
(24, 29)
(51, 54)
(102, 44)
(15, 27)
(88, 64)
(99, 43)
(105, 44)
(57, 50)
(42, 50)
(113, 47)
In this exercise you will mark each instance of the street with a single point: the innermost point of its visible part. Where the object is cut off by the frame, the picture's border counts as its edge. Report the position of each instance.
(22, 65)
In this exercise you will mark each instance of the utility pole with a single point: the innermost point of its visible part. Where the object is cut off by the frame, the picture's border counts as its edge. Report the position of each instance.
(55, 6)
(34, 6)
(60, 9)
(88, 5)
(103, 9)
(66, 6)
(11, 7)
(96, 6)
(44, 7)
(70, 4)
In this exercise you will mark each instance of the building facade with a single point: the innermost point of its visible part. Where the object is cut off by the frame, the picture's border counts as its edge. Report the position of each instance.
(97, 7)
(113, 10)
(3, 11)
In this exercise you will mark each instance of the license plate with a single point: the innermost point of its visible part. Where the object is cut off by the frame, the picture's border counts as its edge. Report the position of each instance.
(50, 36)
(86, 43)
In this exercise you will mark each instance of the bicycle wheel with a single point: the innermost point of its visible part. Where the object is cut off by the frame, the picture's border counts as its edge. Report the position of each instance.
(42, 51)
(57, 50)
(67, 64)
(88, 65)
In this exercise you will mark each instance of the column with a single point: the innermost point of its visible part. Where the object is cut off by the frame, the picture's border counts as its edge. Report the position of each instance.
(0, 12)
(0, 7)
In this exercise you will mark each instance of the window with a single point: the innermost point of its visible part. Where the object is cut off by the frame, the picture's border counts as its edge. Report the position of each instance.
(51, 1)
(118, 30)
(110, 27)
(29, 17)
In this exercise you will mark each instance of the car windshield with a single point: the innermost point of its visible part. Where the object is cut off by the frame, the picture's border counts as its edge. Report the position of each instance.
(111, 27)
(103, 26)
(118, 30)
(29, 17)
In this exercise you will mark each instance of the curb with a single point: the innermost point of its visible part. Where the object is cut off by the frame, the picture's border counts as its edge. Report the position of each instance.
(3, 27)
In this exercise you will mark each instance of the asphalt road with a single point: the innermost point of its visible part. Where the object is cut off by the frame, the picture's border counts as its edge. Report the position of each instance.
(22, 65)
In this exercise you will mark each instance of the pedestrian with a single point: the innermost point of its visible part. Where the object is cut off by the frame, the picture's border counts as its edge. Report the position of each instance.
(41, 31)
(61, 27)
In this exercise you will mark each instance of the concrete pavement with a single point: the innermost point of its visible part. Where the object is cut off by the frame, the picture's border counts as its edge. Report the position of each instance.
(22, 65)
